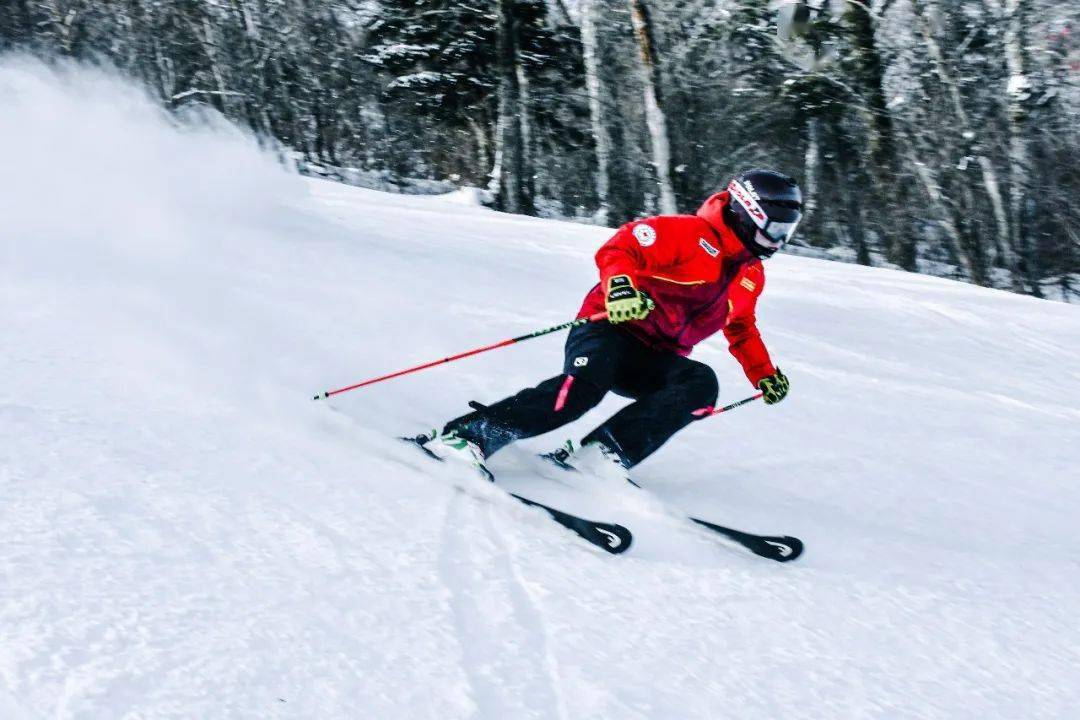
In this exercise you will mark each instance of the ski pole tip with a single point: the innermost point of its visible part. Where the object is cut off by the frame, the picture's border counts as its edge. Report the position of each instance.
(321, 396)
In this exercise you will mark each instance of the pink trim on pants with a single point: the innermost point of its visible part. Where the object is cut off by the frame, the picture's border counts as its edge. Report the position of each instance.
(564, 391)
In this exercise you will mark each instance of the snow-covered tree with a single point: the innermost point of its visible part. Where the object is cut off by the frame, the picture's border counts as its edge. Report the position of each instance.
(934, 135)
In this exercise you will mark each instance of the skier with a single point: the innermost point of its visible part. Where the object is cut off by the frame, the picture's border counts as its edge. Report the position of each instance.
(667, 283)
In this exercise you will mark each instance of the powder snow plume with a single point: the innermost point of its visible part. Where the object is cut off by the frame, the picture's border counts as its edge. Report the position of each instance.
(93, 168)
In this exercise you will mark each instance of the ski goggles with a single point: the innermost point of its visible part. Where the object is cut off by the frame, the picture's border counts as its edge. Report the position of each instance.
(772, 233)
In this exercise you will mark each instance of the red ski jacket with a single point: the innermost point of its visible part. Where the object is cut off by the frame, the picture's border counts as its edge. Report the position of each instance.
(701, 277)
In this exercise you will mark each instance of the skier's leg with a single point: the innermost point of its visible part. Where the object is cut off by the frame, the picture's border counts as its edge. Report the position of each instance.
(592, 358)
(669, 389)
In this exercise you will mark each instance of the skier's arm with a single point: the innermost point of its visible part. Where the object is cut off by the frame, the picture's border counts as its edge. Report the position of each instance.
(647, 248)
(746, 345)
(742, 334)
(624, 254)
(620, 261)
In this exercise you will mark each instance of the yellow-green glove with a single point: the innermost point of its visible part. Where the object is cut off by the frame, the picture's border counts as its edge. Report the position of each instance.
(624, 301)
(774, 387)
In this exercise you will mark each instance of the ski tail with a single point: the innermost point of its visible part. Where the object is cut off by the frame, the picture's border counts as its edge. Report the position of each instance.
(609, 537)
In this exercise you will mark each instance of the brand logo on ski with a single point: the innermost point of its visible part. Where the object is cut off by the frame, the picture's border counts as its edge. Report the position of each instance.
(613, 540)
(783, 549)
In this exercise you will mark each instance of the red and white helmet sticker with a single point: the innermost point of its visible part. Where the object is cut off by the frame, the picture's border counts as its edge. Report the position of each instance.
(744, 198)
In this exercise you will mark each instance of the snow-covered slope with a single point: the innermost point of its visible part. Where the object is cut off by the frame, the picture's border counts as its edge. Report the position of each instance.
(184, 533)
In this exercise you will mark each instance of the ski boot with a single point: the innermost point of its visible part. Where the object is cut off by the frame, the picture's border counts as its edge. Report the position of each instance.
(452, 447)
(594, 458)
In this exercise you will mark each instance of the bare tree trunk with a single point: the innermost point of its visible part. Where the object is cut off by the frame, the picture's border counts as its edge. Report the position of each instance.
(507, 181)
(953, 231)
(206, 32)
(1002, 245)
(1018, 90)
(560, 9)
(811, 167)
(601, 138)
(62, 21)
(882, 165)
(166, 73)
(496, 175)
(654, 112)
(857, 228)
(483, 145)
(989, 174)
(250, 28)
(528, 172)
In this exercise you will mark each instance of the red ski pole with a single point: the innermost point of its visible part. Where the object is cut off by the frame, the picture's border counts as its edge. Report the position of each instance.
(505, 343)
(709, 411)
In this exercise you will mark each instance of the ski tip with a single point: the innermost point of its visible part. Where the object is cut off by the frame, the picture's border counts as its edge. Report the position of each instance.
(616, 538)
(785, 549)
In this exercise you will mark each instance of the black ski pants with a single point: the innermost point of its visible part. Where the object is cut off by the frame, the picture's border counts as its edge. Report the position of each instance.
(600, 358)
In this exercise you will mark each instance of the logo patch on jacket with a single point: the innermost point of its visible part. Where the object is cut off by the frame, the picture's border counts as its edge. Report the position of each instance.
(645, 235)
(707, 247)
(748, 284)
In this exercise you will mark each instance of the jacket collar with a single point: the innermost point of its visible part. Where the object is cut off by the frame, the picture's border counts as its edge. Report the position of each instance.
(712, 212)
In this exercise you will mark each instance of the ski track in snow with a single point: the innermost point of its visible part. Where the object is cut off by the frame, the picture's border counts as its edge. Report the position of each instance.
(184, 534)
(500, 628)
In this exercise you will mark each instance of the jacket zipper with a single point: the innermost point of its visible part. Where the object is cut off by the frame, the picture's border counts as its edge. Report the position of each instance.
(727, 280)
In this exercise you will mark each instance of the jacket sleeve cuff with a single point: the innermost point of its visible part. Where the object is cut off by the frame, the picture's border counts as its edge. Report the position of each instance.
(615, 270)
(759, 373)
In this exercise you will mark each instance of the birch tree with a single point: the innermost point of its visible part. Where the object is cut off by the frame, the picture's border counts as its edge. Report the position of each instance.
(508, 175)
(652, 82)
(597, 120)
(868, 69)
(1017, 91)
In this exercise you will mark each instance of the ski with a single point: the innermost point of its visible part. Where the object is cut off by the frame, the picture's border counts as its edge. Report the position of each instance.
(609, 537)
(781, 548)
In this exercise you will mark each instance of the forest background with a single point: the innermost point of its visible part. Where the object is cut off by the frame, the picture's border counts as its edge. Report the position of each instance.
(937, 136)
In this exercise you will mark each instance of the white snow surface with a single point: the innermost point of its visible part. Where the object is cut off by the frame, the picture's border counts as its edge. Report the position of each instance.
(185, 534)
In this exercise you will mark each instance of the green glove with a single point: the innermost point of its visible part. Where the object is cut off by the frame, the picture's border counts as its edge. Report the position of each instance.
(624, 301)
(774, 387)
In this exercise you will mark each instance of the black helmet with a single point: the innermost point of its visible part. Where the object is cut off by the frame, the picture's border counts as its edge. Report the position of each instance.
(764, 209)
